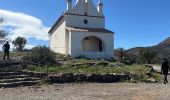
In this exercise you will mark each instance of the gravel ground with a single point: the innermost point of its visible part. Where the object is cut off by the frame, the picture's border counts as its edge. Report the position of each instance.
(89, 91)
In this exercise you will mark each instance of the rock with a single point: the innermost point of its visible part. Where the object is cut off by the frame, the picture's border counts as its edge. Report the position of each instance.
(53, 78)
(152, 80)
(56, 89)
(61, 78)
(67, 78)
(94, 78)
(41, 90)
(108, 78)
(103, 64)
(80, 77)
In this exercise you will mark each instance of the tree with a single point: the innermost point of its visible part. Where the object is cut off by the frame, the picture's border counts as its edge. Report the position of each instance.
(141, 56)
(3, 33)
(19, 43)
(147, 55)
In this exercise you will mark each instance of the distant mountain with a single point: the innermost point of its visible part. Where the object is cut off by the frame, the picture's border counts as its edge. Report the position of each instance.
(162, 49)
(165, 43)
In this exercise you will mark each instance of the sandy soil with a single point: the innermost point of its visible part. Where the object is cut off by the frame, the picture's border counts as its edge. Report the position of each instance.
(89, 91)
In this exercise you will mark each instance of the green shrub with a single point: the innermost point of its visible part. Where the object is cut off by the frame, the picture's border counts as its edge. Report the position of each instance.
(63, 57)
(41, 55)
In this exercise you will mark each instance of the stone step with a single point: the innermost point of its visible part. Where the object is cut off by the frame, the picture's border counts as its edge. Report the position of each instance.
(5, 63)
(9, 73)
(18, 79)
(21, 83)
(13, 76)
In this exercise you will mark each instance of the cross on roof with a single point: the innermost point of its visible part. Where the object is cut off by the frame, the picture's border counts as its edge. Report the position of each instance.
(1, 20)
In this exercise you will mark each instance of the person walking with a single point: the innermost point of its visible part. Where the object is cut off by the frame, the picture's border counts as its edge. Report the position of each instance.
(6, 48)
(164, 69)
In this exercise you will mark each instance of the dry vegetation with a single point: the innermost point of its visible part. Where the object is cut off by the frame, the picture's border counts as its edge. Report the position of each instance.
(87, 66)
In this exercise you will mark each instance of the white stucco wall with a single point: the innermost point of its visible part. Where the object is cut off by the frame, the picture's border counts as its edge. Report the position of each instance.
(68, 43)
(76, 45)
(78, 21)
(58, 38)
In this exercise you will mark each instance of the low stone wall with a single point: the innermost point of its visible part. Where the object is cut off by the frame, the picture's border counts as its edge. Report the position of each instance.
(90, 64)
(69, 77)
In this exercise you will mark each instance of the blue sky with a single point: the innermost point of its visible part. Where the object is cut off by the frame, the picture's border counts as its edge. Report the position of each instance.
(135, 22)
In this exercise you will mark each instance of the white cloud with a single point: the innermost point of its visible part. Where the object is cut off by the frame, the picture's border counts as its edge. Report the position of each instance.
(29, 46)
(24, 25)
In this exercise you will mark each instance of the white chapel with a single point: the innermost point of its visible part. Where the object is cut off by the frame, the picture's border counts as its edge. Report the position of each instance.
(80, 31)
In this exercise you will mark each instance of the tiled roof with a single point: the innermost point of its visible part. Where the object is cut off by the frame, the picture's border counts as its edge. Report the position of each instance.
(80, 29)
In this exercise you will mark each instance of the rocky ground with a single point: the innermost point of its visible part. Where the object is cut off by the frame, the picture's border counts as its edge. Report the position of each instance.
(89, 91)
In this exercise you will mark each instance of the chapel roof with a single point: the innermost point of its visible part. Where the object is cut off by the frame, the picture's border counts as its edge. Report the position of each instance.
(82, 29)
(55, 24)
(87, 6)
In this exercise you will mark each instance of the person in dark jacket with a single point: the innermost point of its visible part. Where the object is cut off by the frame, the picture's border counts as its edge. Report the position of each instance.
(6, 48)
(164, 69)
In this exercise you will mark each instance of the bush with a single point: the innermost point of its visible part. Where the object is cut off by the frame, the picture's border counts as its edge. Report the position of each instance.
(41, 55)
(62, 57)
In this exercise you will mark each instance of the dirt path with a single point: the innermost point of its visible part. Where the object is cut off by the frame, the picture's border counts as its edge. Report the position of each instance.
(89, 91)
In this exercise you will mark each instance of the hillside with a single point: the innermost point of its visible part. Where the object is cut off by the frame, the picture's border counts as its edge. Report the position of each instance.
(162, 49)
(165, 43)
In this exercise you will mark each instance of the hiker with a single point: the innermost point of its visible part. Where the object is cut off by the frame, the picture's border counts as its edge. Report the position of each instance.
(164, 69)
(6, 48)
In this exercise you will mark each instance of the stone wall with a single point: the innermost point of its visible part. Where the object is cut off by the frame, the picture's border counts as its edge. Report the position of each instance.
(69, 77)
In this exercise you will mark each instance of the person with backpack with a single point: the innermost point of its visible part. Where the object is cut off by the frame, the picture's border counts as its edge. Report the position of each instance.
(164, 69)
